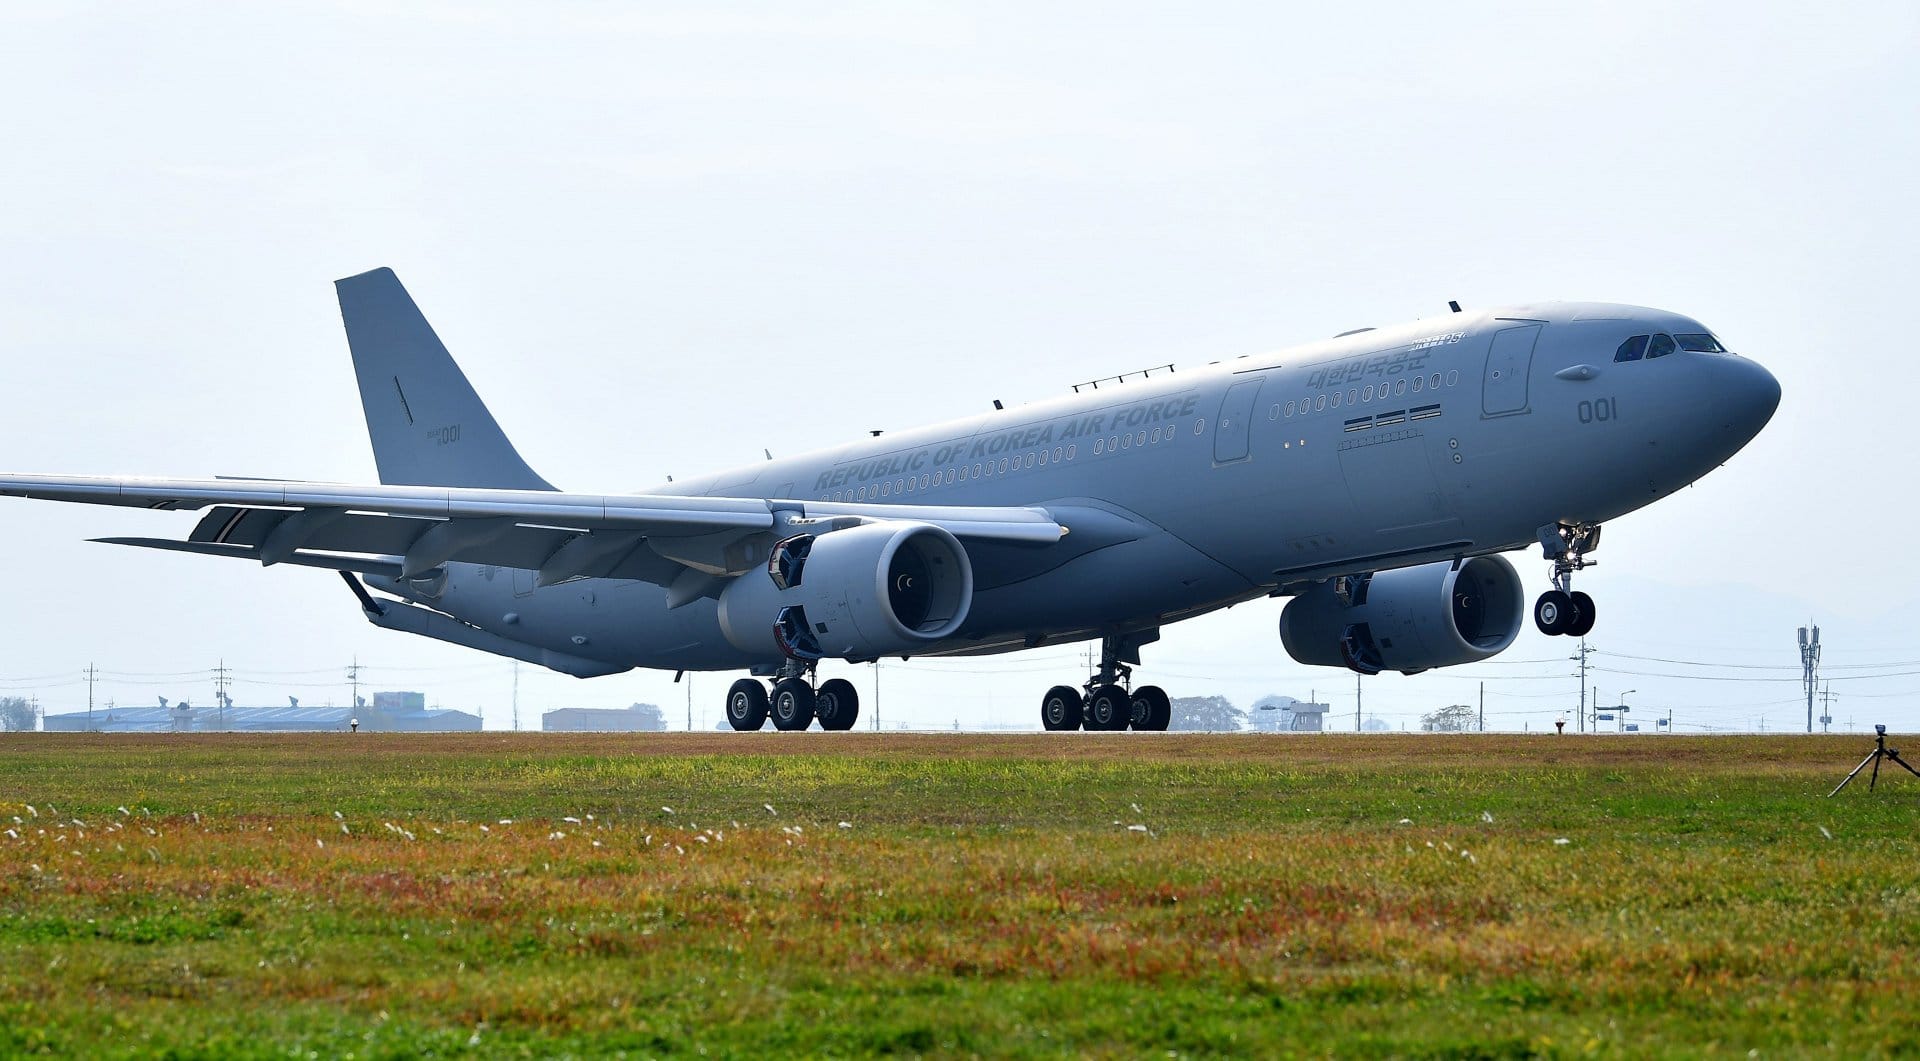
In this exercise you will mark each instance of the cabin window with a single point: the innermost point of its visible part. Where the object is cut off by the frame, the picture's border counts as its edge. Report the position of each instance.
(1336, 400)
(1320, 403)
(1632, 350)
(1453, 376)
(1417, 382)
(1289, 408)
(1099, 445)
(1661, 346)
(1353, 395)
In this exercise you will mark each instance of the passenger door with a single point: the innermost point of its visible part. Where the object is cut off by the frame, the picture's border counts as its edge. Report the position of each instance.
(1509, 359)
(1231, 431)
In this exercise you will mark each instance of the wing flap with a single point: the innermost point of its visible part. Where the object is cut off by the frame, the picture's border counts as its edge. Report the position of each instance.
(651, 538)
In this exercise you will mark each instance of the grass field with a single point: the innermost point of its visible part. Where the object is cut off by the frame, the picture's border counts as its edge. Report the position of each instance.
(848, 894)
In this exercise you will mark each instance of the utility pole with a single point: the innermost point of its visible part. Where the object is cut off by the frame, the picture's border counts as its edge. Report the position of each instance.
(1826, 706)
(353, 677)
(1483, 707)
(876, 696)
(1356, 701)
(689, 704)
(1581, 656)
(92, 673)
(516, 696)
(1810, 665)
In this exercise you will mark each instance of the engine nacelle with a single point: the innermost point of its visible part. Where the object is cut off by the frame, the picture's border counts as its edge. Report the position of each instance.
(1434, 615)
(879, 589)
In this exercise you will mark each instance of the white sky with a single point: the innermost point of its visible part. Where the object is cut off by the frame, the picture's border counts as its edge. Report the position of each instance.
(659, 238)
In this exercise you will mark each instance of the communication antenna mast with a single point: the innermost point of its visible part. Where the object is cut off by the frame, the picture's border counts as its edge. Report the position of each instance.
(1581, 657)
(220, 691)
(92, 673)
(1810, 665)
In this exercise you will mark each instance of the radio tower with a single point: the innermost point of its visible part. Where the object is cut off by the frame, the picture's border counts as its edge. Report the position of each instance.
(1810, 665)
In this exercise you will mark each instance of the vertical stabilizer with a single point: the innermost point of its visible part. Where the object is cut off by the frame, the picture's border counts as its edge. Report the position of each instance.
(428, 426)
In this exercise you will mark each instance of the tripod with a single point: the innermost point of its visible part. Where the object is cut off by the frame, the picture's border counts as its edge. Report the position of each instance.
(1880, 751)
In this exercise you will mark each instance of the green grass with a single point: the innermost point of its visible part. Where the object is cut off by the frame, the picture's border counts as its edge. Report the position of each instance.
(1287, 896)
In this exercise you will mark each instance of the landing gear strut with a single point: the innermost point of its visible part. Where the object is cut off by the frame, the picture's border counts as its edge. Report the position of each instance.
(1108, 700)
(1562, 609)
(794, 703)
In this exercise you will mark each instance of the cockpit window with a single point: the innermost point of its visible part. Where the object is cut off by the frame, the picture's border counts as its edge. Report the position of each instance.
(1699, 343)
(1661, 346)
(1632, 350)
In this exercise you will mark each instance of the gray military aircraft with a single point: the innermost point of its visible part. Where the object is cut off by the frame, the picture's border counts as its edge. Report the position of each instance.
(1373, 478)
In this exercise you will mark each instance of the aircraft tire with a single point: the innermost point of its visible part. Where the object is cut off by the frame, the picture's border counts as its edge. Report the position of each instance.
(747, 705)
(1553, 613)
(791, 706)
(1584, 612)
(836, 704)
(1061, 708)
(1108, 708)
(1158, 709)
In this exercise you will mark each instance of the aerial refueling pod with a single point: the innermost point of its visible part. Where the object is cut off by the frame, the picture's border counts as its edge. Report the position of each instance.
(1434, 615)
(878, 589)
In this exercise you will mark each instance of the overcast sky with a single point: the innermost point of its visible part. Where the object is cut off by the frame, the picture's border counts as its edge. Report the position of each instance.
(660, 238)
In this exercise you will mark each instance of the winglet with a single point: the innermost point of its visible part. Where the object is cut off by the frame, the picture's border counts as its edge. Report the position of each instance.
(427, 424)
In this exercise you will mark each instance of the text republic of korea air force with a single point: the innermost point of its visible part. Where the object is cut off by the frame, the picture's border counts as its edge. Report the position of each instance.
(1373, 478)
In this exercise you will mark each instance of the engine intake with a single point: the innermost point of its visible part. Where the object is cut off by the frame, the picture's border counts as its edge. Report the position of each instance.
(879, 589)
(1409, 620)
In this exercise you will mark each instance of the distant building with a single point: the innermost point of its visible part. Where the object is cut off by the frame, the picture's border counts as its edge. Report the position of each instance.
(408, 713)
(631, 719)
(1284, 714)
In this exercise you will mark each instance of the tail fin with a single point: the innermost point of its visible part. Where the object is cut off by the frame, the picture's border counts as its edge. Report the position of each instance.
(428, 426)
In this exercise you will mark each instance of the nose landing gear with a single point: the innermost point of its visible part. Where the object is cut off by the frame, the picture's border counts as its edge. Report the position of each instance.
(1562, 609)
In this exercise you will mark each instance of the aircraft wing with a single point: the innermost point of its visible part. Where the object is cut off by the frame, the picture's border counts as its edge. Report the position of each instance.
(407, 531)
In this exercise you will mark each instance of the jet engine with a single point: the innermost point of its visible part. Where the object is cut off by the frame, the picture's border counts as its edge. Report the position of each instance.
(1434, 615)
(878, 589)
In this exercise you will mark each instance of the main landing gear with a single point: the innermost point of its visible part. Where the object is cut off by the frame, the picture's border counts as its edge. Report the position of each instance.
(1562, 609)
(1109, 701)
(794, 702)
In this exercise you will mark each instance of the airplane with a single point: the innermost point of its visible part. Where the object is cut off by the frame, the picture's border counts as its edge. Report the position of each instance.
(1373, 479)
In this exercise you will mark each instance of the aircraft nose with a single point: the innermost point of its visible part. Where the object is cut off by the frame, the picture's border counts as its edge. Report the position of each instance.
(1749, 395)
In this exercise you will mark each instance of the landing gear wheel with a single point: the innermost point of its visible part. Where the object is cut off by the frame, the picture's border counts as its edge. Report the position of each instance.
(1109, 708)
(1554, 613)
(792, 704)
(1583, 615)
(1061, 708)
(1152, 711)
(836, 704)
(747, 705)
